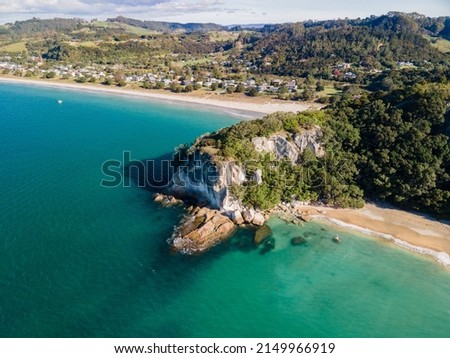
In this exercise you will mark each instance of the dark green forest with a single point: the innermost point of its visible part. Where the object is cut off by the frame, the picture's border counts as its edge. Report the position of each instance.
(303, 49)
(392, 146)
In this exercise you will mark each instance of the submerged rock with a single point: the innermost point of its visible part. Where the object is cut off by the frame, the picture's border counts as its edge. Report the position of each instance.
(297, 241)
(201, 230)
(268, 245)
(166, 200)
(261, 234)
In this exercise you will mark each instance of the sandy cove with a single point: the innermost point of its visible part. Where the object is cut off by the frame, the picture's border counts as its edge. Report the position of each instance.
(412, 231)
(237, 104)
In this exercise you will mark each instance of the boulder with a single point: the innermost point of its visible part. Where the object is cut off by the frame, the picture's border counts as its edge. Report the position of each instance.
(283, 208)
(248, 215)
(311, 139)
(278, 145)
(237, 218)
(257, 177)
(201, 230)
(170, 200)
(166, 200)
(285, 149)
(258, 220)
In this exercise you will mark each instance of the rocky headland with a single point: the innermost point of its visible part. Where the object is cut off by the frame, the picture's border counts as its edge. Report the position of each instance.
(203, 175)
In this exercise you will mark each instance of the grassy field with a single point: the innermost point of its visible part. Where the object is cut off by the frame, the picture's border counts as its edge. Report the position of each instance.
(83, 44)
(127, 28)
(442, 45)
(329, 91)
(15, 47)
(196, 62)
(223, 35)
(84, 30)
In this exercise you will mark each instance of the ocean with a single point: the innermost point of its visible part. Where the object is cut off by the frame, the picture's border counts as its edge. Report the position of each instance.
(81, 260)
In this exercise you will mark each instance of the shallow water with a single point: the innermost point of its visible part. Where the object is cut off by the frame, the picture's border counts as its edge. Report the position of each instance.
(80, 260)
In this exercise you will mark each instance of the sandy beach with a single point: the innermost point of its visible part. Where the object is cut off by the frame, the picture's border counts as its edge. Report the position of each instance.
(412, 231)
(236, 104)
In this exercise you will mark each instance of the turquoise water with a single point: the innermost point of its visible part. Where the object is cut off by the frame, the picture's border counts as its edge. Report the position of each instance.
(80, 260)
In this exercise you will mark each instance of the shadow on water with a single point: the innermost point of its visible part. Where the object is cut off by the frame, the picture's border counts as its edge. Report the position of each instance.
(152, 174)
(242, 241)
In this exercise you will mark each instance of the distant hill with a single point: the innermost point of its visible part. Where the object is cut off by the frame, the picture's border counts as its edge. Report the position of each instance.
(161, 26)
(35, 25)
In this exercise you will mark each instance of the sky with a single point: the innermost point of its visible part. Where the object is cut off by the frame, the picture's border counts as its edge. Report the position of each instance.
(224, 12)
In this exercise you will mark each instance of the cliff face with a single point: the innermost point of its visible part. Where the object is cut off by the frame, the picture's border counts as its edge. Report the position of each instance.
(208, 182)
(291, 146)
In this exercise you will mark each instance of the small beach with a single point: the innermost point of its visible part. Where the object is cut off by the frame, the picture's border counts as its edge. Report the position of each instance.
(412, 231)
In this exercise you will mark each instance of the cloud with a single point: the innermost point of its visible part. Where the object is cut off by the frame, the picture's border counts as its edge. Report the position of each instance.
(223, 11)
(175, 8)
(99, 8)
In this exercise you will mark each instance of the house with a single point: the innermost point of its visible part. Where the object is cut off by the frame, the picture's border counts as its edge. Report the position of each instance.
(350, 75)
(273, 89)
(405, 64)
(292, 86)
(250, 83)
(343, 66)
(276, 82)
(262, 88)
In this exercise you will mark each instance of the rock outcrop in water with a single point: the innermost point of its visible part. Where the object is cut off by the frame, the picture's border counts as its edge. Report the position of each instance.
(201, 230)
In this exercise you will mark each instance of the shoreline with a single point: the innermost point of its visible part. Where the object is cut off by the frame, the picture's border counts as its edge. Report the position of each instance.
(247, 107)
(411, 231)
